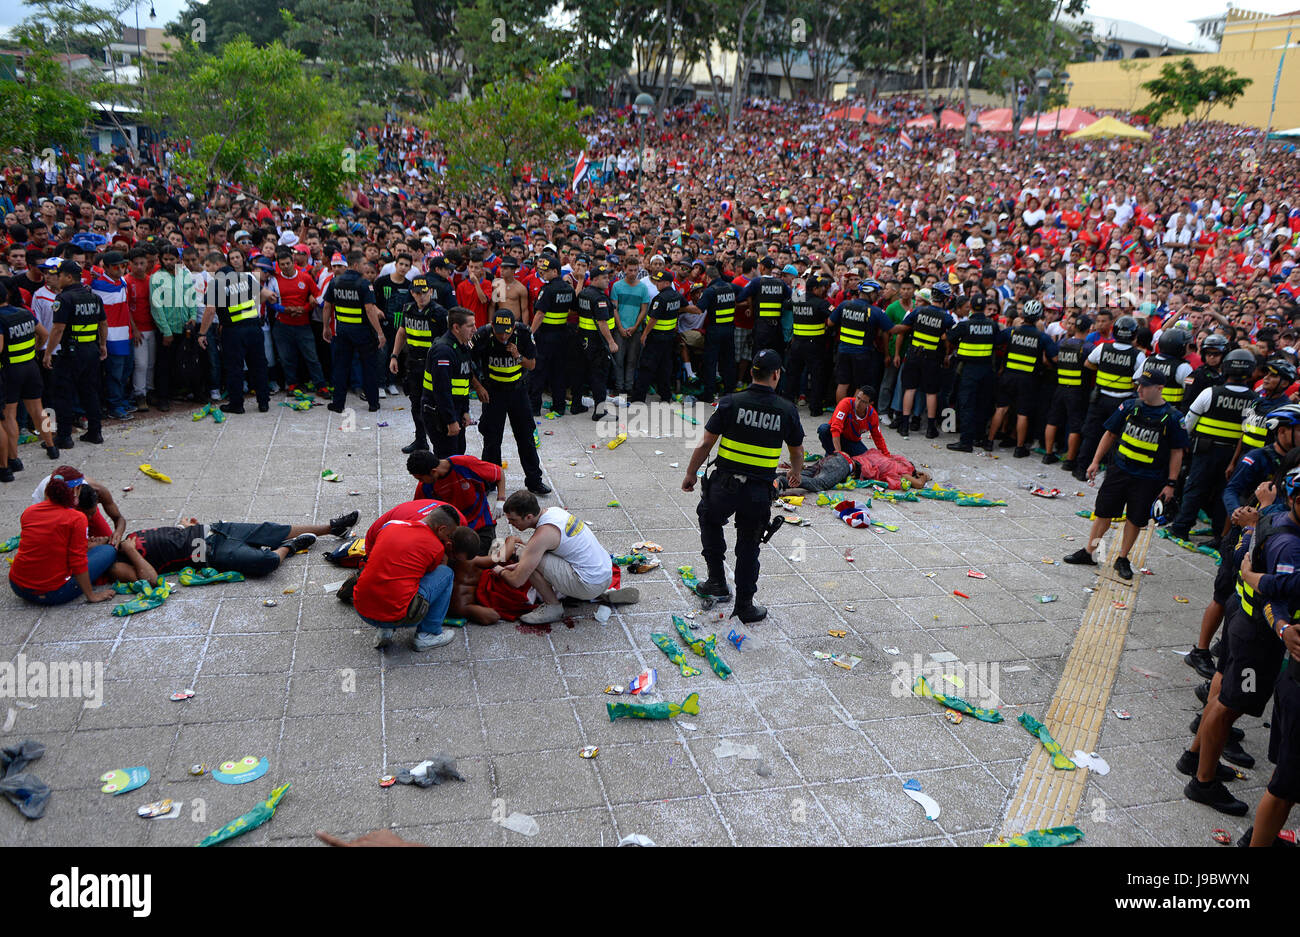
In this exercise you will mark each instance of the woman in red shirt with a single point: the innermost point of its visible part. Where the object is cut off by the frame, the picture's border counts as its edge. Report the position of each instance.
(54, 562)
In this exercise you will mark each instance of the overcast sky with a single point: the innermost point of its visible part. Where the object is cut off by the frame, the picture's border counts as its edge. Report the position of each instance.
(1170, 17)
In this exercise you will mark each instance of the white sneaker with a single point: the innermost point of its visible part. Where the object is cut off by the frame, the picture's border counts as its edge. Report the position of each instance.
(424, 641)
(383, 394)
(886, 420)
(392, 390)
(624, 596)
(215, 394)
(384, 638)
(543, 615)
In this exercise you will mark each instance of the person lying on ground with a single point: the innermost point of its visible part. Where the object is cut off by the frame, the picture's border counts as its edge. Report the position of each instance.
(871, 465)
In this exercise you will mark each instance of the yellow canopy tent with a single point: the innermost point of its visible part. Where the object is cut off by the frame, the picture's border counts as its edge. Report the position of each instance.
(1108, 127)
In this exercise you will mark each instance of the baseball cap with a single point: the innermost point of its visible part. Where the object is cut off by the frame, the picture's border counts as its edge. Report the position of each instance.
(420, 284)
(241, 234)
(510, 262)
(338, 260)
(111, 258)
(1082, 322)
(439, 262)
(546, 264)
(767, 360)
(766, 262)
(790, 269)
(50, 264)
(601, 269)
(263, 263)
(70, 267)
(503, 322)
(661, 276)
(1150, 378)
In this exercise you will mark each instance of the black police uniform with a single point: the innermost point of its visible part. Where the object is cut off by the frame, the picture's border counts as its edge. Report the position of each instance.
(237, 298)
(858, 360)
(718, 303)
(659, 353)
(1214, 440)
(1070, 399)
(22, 375)
(444, 294)
(1115, 384)
(1166, 368)
(503, 378)
(446, 381)
(1026, 347)
(77, 363)
(751, 426)
(391, 297)
(771, 298)
(923, 362)
(1254, 425)
(1201, 378)
(1147, 436)
(593, 307)
(555, 301)
(974, 338)
(350, 293)
(808, 352)
(423, 327)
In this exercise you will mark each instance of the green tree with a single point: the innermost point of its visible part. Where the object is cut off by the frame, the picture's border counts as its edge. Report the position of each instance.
(213, 23)
(506, 39)
(314, 175)
(488, 138)
(38, 113)
(1183, 88)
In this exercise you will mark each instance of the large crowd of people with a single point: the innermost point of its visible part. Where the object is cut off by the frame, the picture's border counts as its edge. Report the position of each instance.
(1107, 305)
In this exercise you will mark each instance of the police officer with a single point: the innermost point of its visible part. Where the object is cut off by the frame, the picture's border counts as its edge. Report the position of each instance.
(503, 353)
(659, 341)
(1149, 441)
(444, 294)
(447, 380)
(550, 327)
(1169, 363)
(1213, 348)
(21, 335)
(1279, 374)
(78, 343)
(749, 428)
(808, 351)
(1214, 421)
(234, 300)
(1118, 364)
(423, 320)
(595, 320)
(925, 354)
(350, 300)
(972, 340)
(771, 300)
(858, 362)
(1027, 347)
(1070, 399)
(718, 303)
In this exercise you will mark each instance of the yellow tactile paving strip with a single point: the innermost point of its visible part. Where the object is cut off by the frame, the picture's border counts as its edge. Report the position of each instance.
(1048, 797)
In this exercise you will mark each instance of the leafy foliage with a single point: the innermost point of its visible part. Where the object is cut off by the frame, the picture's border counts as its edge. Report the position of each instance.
(1182, 88)
(39, 112)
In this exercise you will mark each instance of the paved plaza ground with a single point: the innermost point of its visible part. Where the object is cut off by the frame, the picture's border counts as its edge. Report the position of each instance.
(300, 683)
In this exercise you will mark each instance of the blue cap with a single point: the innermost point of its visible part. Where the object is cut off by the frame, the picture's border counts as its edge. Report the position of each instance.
(790, 269)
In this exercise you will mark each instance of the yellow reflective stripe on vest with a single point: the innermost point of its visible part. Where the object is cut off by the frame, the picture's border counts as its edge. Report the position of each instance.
(1172, 394)
(1247, 596)
(724, 315)
(428, 381)
(86, 333)
(501, 375)
(975, 349)
(1253, 435)
(769, 310)
(459, 386)
(852, 336)
(665, 325)
(419, 338)
(1220, 429)
(926, 341)
(1145, 451)
(747, 454)
(22, 351)
(1114, 381)
(1069, 377)
(1018, 362)
(809, 331)
(349, 314)
(241, 311)
(555, 317)
(590, 325)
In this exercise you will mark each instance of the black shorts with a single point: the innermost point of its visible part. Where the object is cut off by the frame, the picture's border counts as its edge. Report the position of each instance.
(923, 371)
(1069, 407)
(1284, 736)
(1252, 657)
(1017, 389)
(1225, 580)
(1122, 493)
(23, 383)
(852, 369)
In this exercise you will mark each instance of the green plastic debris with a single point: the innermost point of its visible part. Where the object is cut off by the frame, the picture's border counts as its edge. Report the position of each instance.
(923, 689)
(674, 654)
(249, 821)
(10, 545)
(189, 576)
(1052, 836)
(689, 705)
(1039, 731)
(147, 596)
(703, 647)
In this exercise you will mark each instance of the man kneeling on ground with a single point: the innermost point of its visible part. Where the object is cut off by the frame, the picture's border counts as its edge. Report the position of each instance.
(255, 550)
(561, 558)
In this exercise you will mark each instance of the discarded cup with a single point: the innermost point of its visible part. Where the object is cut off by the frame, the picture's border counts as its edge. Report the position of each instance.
(181, 695)
(590, 751)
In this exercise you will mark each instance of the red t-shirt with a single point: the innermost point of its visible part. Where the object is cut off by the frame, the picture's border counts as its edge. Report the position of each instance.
(391, 577)
(846, 424)
(467, 296)
(137, 298)
(52, 549)
(465, 488)
(407, 511)
(297, 290)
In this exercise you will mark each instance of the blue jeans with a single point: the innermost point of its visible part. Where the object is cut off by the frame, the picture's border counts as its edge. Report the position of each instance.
(297, 344)
(117, 382)
(849, 447)
(436, 587)
(98, 559)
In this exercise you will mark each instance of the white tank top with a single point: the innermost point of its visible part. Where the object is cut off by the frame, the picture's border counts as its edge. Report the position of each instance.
(578, 546)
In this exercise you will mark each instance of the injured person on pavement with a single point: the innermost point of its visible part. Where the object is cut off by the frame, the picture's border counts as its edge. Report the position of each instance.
(872, 465)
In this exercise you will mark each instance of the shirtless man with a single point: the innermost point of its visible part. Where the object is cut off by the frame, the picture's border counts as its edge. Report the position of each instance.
(468, 566)
(508, 292)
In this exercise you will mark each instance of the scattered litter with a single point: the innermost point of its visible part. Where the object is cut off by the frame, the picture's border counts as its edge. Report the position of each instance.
(1119, 605)
(1051, 836)
(839, 659)
(1042, 492)
(1091, 760)
(890, 649)
(1222, 837)
(431, 771)
(1046, 599)
(674, 465)
(912, 787)
(616, 441)
(590, 751)
(181, 695)
(1039, 731)
(129, 488)
(647, 546)
(1123, 714)
(241, 771)
(166, 445)
(850, 607)
(837, 632)
(579, 474)
(636, 839)
(1049, 562)
(1181, 599)
(160, 810)
(929, 575)
(198, 770)
(654, 710)
(334, 586)
(952, 716)
(270, 603)
(331, 476)
(973, 574)
(960, 595)
(727, 748)
(598, 475)
(603, 613)
(923, 689)
(1146, 572)
(615, 690)
(122, 780)
(249, 821)
(382, 423)
(613, 504)
(644, 682)
(687, 725)
(290, 591)
(573, 461)
(848, 554)
(23, 704)
(944, 657)
(1016, 668)
(736, 639)
(387, 781)
(956, 681)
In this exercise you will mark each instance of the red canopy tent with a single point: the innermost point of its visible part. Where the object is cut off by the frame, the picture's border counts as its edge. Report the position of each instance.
(997, 120)
(1065, 119)
(948, 120)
